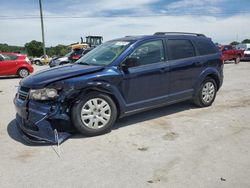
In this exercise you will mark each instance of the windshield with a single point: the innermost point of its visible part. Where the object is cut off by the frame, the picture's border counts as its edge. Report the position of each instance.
(104, 54)
(69, 54)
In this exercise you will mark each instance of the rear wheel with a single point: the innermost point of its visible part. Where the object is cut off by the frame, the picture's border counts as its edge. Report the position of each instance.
(206, 93)
(23, 73)
(94, 114)
(37, 62)
(237, 60)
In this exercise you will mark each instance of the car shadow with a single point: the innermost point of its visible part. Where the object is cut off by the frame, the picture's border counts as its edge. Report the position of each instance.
(154, 114)
(123, 122)
(14, 133)
(9, 77)
(148, 115)
(229, 62)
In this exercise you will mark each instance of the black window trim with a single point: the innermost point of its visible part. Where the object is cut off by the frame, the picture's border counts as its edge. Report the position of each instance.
(197, 51)
(192, 43)
(143, 42)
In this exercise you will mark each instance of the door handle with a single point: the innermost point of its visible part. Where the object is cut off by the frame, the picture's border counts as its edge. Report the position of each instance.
(198, 63)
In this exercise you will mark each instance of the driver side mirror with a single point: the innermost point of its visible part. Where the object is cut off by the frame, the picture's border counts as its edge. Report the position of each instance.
(130, 62)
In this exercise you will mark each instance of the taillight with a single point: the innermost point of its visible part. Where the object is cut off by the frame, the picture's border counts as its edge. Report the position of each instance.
(221, 58)
(27, 60)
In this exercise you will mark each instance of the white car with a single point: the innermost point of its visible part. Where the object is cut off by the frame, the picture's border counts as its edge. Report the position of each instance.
(41, 60)
(246, 54)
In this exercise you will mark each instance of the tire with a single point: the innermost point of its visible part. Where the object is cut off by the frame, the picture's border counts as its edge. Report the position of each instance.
(237, 60)
(206, 94)
(91, 119)
(37, 62)
(22, 73)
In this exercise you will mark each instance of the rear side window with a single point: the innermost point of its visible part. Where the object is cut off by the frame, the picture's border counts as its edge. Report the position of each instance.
(205, 47)
(9, 57)
(179, 49)
(1, 58)
(228, 48)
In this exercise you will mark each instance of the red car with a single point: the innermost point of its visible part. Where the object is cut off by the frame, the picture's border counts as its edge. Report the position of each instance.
(14, 64)
(230, 53)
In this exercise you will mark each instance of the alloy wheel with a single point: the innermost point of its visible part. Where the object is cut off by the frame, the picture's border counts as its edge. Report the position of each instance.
(208, 92)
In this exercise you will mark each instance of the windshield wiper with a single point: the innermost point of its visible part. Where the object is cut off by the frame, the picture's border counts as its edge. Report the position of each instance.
(83, 63)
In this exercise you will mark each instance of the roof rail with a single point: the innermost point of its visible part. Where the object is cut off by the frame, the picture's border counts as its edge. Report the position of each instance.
(178, 33)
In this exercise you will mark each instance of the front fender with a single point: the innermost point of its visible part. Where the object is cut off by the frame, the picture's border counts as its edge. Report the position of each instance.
(107, 88)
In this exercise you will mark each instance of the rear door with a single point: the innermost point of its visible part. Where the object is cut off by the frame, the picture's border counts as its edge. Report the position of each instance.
(148, 83)
(185, 68)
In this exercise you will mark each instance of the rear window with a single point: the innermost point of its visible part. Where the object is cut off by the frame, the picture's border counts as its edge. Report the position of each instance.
(205, 47)
(228, 48)
(179, 49)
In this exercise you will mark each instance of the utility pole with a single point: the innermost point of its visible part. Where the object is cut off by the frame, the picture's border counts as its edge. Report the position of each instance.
(41, 15)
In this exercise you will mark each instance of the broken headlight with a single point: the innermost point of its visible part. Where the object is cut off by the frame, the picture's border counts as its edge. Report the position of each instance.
(43, 94)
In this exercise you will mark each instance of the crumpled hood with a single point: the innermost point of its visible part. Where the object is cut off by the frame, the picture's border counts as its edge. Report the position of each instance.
(42, 78)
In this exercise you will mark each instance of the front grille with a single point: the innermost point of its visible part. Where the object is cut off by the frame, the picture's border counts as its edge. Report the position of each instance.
(247, 55)
(23, 93)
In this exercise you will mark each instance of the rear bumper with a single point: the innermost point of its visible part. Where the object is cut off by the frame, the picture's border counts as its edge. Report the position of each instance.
(33, 121)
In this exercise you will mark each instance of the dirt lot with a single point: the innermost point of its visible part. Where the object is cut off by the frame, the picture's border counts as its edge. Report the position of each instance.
(175, 146)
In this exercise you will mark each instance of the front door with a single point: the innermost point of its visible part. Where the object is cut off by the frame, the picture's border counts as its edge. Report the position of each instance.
(147, 83)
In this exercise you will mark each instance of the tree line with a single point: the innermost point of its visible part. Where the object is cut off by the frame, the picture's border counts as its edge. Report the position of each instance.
(244, 42)
(35, 49)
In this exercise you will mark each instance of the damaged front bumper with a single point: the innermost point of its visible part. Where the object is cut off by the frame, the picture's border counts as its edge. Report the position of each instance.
(40, 122)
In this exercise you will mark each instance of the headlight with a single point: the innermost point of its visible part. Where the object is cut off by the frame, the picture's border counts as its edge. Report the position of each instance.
(43, 94)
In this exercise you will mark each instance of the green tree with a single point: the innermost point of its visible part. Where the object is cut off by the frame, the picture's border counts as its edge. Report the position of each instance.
(59, 50)
(10, 48)
(246, 41)
(34, 48)
(4, 48)
(234, 43)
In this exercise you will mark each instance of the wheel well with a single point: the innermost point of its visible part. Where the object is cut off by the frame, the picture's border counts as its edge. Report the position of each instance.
(216, 79)
(107, 93)
(22, 68)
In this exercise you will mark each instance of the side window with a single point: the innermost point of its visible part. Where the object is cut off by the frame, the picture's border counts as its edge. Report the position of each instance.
(149, 53)
(227, 48)
(205, 47)
(6, 57)
(1, 58)
(179, 49)
(11, 57)
(78, 52)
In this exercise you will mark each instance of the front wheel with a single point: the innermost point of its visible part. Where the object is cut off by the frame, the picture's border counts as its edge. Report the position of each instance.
(94, 114)
(206, 93)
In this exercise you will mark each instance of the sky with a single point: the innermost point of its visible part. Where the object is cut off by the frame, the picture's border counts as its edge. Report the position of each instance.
(65, 21)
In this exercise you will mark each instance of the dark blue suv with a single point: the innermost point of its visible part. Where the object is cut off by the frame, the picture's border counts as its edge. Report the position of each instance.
(116, 79)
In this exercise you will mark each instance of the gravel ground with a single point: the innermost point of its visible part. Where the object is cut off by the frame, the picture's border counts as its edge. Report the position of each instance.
(175, 146)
